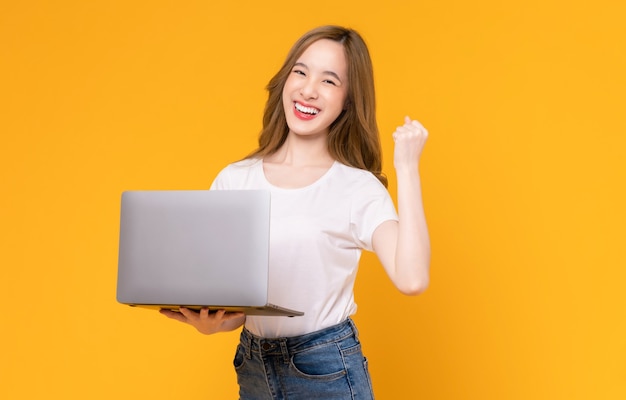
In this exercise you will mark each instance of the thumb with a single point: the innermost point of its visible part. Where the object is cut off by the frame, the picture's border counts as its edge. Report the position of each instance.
(407, 119)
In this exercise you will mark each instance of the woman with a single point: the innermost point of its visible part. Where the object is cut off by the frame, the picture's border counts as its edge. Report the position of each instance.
(319, 155)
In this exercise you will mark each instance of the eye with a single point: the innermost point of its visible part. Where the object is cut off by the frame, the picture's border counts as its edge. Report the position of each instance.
(330, 82)
(298, 72)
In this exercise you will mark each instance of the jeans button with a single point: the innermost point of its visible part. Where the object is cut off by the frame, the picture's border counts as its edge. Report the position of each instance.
(266, 346)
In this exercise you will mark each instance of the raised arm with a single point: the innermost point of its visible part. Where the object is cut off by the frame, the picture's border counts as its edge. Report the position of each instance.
(403, 247)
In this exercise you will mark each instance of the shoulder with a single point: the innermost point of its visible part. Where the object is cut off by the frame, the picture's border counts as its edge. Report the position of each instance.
(357, 179)
(240, 167)
(237, 173)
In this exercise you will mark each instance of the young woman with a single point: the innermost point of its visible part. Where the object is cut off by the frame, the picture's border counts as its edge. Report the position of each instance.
(319, 155)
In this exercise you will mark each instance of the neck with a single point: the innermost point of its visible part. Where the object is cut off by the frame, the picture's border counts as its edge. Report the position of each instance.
(303, 151)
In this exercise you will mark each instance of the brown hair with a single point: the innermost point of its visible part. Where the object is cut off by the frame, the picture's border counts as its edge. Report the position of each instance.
(353, 137)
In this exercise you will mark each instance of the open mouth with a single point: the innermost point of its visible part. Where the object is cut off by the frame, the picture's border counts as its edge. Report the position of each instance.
(306, 110)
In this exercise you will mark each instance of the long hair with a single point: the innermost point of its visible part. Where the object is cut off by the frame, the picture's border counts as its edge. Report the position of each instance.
(353, 137)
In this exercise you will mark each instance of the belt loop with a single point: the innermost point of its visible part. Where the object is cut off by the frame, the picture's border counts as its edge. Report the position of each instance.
(284, 350)
(353, 326)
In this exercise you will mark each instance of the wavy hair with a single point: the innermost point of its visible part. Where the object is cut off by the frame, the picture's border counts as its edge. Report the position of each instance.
(353, 137)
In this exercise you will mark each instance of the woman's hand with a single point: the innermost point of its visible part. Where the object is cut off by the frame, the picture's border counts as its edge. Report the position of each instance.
(409, 139)
(205, 322)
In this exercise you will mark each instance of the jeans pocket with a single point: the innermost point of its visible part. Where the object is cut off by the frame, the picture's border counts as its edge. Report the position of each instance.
(240, 357)
(323, 362)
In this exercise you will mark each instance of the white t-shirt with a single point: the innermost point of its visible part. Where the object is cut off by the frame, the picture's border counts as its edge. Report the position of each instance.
(316, 236)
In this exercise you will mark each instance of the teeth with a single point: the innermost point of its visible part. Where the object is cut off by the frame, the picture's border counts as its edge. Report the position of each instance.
(306, 110)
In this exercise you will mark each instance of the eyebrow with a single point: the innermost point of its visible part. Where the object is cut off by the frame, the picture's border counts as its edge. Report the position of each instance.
(331, 73)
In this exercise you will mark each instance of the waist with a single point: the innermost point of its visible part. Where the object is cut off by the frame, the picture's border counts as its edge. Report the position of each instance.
(294, 344)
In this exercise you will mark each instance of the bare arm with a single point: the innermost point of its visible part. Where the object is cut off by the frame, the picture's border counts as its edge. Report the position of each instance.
(403, 247)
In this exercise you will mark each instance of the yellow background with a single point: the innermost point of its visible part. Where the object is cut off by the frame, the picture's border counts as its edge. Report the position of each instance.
(523, 180)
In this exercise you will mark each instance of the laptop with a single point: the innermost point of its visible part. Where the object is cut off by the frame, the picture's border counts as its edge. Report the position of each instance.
(196, 249)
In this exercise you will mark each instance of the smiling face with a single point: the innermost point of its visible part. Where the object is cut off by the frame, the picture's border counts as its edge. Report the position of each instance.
(315, 91)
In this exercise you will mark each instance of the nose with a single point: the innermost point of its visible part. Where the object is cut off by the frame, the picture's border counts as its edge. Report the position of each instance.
(308, 90)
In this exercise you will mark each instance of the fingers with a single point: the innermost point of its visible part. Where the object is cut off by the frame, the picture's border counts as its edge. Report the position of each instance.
(412, 124)
(190, 316)
(409, 140)
(205, 321)
(204, 313)
(411, 128)
(193, 316)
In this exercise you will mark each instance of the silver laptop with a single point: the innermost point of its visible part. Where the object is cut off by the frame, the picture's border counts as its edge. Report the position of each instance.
(196, 249)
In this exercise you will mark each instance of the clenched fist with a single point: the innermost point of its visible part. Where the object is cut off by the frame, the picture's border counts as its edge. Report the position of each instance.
(409, 139)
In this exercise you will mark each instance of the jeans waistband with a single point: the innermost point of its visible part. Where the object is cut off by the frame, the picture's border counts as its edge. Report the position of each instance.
(294, 344)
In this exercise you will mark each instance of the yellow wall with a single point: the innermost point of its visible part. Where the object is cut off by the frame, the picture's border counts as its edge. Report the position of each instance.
(524, 179)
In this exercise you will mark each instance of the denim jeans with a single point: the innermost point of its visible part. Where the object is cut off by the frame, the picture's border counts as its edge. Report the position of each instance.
(327, 364)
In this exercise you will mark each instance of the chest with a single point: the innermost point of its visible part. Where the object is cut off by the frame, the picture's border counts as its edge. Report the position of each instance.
(292, 177)
(311, 218)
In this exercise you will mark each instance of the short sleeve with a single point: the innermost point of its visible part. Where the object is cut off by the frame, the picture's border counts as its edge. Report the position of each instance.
(369, 209)
(221, 181)
(239, 175)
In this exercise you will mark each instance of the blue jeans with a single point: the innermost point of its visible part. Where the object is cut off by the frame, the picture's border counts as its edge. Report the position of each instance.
(327, 364)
